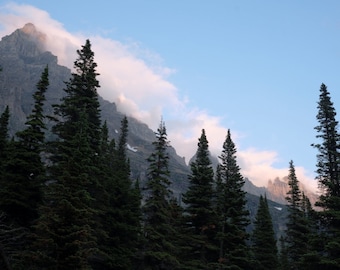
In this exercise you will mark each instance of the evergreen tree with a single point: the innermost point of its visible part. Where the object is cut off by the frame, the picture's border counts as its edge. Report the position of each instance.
(311, 258)
(24, 171)
(297, 231)
(328, 176)
(199, 212)
(159, 251)
(126, 204)
(283, 256)
(65, 236)
(12, 240)
(4, 118)
(65, 230)
(81, 96)
(233, 216)
(121, 214)
(264, 242)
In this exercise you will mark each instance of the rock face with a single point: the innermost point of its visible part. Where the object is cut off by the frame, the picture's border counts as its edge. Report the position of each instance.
(23, 57)
(277, 191)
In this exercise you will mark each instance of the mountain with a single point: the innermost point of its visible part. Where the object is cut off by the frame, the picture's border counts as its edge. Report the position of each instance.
(23, 57)
(278, 188)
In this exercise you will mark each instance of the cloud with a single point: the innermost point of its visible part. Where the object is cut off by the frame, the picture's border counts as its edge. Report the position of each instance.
(137, 81)
(259, 167)
(59, 41)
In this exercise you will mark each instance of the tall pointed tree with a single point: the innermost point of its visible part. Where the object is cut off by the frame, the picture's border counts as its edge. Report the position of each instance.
(199, 212)
(24, 170)
(120, 210)
(297, 231)
(158, 249)
(66, 227)
(328, 166)
(4, 119)
(328, 176)
(263, 238)
(81, 97)
(126, 204)
(233, 216)
(311, 258)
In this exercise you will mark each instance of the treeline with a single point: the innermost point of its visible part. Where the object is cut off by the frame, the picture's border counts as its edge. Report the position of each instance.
(70, 203)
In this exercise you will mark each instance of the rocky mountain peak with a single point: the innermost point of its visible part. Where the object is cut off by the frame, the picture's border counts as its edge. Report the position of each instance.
(29, 29)
(25, 42)
(278, 189)
(23, 57)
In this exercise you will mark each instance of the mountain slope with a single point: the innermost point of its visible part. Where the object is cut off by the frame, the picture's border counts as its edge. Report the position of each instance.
(23, 58)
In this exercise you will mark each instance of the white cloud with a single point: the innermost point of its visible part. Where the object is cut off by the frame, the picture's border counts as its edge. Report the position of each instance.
(59, 41)
(136, 80)
(259, 167)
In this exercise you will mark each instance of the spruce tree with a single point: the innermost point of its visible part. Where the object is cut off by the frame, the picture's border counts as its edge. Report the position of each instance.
(126, 204)
(120, 210)
(24, 170)
(328, 176)
(199, 213)
(297, 231)
(65, 229)
(4, 119)
(81, 97)
(159, 251)
(283, 254)
(263, 238)
(232, 214)
(311, 258)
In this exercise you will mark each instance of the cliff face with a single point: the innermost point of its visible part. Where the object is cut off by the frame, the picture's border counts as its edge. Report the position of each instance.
(23, 57)
(277, 191)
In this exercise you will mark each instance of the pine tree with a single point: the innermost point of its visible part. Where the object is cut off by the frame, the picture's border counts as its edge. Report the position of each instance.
(158, 249)
(65, 229)
(104, 189)
(264, 242)
(283, 256)
(24, 171)
(311, 258)
(4, 118)
(126, 204)
(328, 176)
(328, 156)
(297, 231)
(121, 214)
(233, 216)
(199, 212)
(81, 96)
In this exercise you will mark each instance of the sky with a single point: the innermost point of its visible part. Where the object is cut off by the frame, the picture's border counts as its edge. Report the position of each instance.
(254, 67)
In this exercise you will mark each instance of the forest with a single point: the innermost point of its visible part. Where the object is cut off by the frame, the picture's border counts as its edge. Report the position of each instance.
(69, 201)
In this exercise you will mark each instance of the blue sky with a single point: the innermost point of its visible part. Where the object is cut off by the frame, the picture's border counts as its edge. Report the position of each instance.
(252, 66)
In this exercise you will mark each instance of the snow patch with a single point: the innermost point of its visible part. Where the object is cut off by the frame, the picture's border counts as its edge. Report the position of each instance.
(131, 148)
(278, 208)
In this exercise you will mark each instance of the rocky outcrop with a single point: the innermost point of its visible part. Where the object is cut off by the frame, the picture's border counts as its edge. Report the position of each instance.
(23, 58)
(278, 188)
